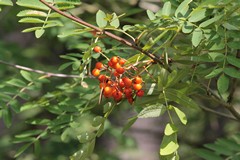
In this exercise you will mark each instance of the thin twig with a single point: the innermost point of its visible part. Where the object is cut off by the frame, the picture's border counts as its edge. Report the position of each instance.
(109, 34)
(228, 106)
(218, 113)
(49, 74)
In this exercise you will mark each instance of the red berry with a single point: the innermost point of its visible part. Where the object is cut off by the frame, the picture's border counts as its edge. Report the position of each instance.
(110, 64)
(98, 65)
(102, 78)
(137, 87)
(127, 82)
(116, 74)
(95, 72)
(97, 49)
(127, 92)
(121, 83)
(107, 91)
(120, 70)
(137, 80)
(122, 61)
(140, 93)
(114, 59)
(117, 95)
(130, 100)
(116, 66)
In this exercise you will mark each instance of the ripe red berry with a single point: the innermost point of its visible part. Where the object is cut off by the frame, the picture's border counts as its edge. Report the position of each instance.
(137, 87)
(130, 100)
(121, 83)
(99, 65)
(107, 91)
(117, 95)
(95, 72)
(127, 82)
(122, 61)
(102, 78)
(114, 59)
(137, 80)
(120, 70)
(97, 49)
(140, 93)
(110, 64)
(116, 74)
(127, 92)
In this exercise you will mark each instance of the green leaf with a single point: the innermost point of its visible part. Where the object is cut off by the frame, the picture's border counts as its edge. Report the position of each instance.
(166, 10)
(197, 37)
(90, 147)
(197, 14)
(32, 4)
(232, 72)
(31, 13)
(187, 27)
(30, 20)
(26, 75)
(210, 21)
(86, 137)
(7, 117)
(234, 44)
(222, 83)
(76, 65)
(22, 149)
(214, 73)
(219, 149)
(151, 15)
(115, 21)
(170, 129)
(37, 148)
(130, 122)
(169, 145)
(100, 19)
(31, 29)
(180, 98)
(175, 76)
(39, 33)
(98, 120)
(234, 61)
(152, 111)
(17, 82)
(207, 155)
(182, 8)
(64, 66)
(181, 115)
(6, 2)
(230, 26)
(29, 133)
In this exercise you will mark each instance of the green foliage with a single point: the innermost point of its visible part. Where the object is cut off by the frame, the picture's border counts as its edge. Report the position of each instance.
(179, 51)
(222, 148)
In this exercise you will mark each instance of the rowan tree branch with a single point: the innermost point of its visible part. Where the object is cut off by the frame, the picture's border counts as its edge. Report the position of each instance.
(109, 34)
(228, 106)
(49, 74)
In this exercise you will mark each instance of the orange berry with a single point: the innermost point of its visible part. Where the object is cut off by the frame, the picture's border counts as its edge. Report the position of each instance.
(140, 93)
(137, 80)
(114, 59)
(120, 70)
(122, 61)
(102, 78)
(99, 65)
(137, 87)
(116, 66)
(107, 91)
(97, 49)
(127, 82)
(95, 72)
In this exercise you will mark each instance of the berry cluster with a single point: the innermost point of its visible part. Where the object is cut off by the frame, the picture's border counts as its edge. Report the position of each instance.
(115, 83)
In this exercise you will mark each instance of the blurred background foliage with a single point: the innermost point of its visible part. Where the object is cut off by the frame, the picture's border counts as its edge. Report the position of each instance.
(141, 141)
